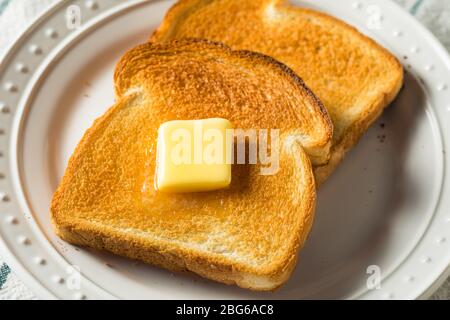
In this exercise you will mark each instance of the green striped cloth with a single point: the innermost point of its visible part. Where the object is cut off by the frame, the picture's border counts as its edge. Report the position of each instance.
(4, 273)
(16, 14)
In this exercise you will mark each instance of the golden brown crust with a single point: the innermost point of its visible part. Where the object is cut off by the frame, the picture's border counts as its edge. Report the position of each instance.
(247, 235)
(174, 260)
(354, 77)
(177, 258)
(312, 120)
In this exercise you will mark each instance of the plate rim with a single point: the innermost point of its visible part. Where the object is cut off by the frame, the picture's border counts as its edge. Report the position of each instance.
(15, 263)
(8, 256)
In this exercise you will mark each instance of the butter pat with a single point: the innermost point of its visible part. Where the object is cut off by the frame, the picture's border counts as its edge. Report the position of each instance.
(194, 155)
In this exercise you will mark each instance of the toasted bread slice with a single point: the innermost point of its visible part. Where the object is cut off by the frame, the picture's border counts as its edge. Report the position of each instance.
(353, 76)
(248, 234)
(251, 90)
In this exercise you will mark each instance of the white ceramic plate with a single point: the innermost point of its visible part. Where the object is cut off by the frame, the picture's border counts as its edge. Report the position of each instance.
(387, 205)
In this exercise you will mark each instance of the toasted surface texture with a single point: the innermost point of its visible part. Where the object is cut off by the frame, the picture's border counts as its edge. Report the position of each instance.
(353, 76)
(198, 79)
(248, 234)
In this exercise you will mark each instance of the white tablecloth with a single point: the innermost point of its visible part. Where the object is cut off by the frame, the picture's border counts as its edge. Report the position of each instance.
(15, 15)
